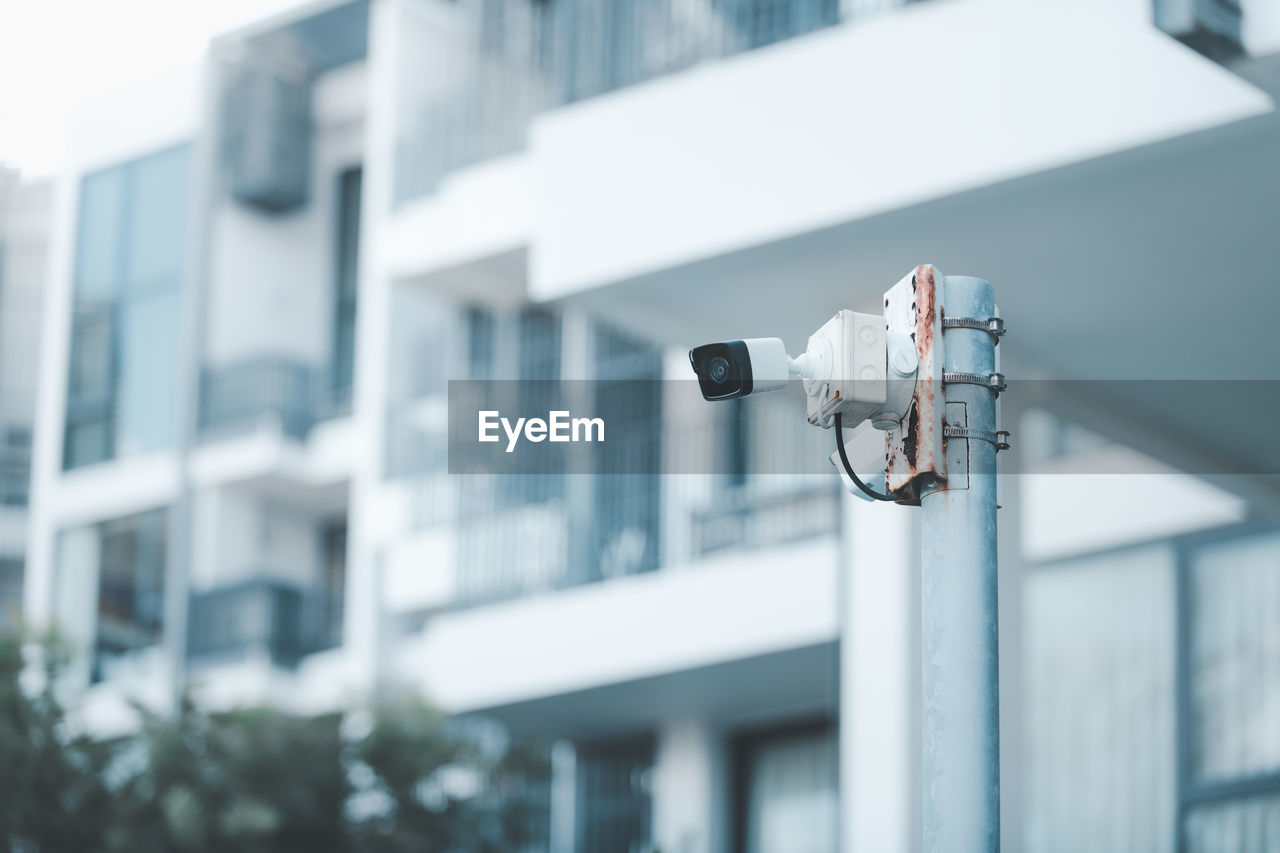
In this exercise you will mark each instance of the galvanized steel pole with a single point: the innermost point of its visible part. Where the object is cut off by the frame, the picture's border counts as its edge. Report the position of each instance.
(960, 661)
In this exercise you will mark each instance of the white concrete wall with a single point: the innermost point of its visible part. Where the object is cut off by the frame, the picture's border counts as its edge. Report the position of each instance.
(132, 123)
(853, 121)
(271, 277)
(240, 534)
(736, 606)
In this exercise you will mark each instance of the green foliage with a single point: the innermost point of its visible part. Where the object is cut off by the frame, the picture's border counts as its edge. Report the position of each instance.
(52, 795)
(252, 781)
(424, 785)
(399, 777)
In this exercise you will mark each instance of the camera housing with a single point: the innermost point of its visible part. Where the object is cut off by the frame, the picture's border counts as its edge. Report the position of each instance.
(732, 369)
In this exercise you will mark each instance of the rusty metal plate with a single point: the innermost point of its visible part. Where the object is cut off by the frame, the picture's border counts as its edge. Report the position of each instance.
(914, 456)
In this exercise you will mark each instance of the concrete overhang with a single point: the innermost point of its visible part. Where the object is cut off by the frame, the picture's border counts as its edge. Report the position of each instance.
(853, 122)
(790, 684)
(1156, 263)
(631, 630)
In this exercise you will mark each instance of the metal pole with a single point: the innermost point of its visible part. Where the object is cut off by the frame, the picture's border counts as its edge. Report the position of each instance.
(960, 660)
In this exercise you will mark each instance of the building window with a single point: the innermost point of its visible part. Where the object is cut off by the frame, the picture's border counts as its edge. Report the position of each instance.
(333, 583)
(11, 571)
(1153, 695)
(347, 286)
(614, 803)
(122, 379)
(15, 464)
(626, 488)
(1099, 703)
(785, 786)
(131, 563)
(1230, 688)
(480, 343)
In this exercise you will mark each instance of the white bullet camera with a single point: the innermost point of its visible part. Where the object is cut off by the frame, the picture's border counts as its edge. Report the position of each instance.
(853, 370)
(851, 367)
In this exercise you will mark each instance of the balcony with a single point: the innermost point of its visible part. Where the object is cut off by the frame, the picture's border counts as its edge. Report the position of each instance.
(498, 537)
(748, 519)
(274, 392)
(258, 618)
(473, 74)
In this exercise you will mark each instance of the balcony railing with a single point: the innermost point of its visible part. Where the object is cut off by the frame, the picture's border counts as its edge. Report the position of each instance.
(258, 617)
(474, 72)
(15, 464)
(748, 518)
(273, 391)
(521, 534)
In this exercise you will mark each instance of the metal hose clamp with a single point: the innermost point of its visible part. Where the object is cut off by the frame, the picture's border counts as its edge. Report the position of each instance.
(999, 438)
(993, 326)
(993, 382)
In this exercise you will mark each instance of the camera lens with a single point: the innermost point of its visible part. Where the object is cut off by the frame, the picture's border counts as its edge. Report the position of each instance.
(723, 370)
(718, 369)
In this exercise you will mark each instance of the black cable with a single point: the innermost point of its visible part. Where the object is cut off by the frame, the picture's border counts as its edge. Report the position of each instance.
(848, 469)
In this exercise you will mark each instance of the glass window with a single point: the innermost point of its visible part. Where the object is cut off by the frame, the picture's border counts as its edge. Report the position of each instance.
(122, 376)
(88, 441)
(479, 343)
(333, 583)
(148, 373)
(101, 208)
(1247, 826)
(1099, 687)
(614, 801)
(130, 587)
(348, 268)
(1235, 659)
(790, 792)
(156, 221)
(91, 355)
(11, 570)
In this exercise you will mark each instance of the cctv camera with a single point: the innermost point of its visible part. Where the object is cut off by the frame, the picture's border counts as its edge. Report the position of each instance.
(737, 368)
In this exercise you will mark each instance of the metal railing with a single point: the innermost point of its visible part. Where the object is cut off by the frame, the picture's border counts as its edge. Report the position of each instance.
(559, 526)
(473, 73)
(275, 391)
(750, 518)
(255, 617)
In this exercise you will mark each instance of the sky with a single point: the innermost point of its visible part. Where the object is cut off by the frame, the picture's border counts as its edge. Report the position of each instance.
(57, 53)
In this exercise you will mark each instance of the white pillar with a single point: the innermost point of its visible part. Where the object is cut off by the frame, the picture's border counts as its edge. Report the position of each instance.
(690, 796)
(564, 797)
(364, 627)
(879, 679)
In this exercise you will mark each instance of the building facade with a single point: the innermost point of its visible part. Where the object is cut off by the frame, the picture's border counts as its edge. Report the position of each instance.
(266, 268)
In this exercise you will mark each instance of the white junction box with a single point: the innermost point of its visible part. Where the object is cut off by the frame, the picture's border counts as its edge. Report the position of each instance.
(855, 346)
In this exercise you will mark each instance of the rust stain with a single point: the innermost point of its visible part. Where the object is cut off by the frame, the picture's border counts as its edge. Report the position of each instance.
(923, 284)
(921, 423)
(910, 441)
(913, 450)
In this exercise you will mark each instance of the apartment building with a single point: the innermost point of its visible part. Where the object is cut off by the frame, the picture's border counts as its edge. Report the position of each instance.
(267, 267)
